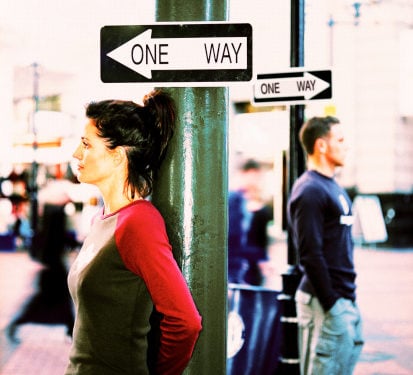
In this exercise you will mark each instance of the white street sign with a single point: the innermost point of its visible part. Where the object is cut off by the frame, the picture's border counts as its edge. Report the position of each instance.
(143, 54)
(195, 52)
(292, 86)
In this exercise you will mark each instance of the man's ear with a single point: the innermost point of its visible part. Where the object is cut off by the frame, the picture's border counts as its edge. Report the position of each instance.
(320, 145)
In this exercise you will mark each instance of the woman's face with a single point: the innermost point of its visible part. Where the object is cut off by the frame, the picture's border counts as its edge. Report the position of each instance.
(96, 161)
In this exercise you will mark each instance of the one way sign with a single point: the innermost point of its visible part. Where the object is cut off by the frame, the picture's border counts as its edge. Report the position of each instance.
(171, 52)
(294, 86)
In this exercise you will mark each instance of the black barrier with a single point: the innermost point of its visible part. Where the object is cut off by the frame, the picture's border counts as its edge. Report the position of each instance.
(254, 340)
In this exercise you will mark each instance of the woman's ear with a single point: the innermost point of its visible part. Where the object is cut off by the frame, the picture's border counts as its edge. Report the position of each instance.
(119, 155)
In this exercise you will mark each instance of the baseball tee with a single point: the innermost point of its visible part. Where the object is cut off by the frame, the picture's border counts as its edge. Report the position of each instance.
(124, 269)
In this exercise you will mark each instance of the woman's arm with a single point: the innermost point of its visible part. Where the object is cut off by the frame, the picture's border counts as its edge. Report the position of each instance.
(148, 253)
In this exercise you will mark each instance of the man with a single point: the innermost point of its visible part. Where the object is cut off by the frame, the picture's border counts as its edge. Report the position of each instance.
(319, 214)
(249, 216)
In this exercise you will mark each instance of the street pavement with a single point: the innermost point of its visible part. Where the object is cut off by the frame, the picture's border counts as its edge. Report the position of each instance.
(385, 297)
(385, 291)
(43, 349)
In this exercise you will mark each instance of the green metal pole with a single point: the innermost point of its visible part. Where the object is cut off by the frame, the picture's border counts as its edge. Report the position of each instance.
(191, 193)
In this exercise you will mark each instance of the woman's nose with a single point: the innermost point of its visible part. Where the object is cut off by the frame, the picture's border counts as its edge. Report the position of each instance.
(77, 154)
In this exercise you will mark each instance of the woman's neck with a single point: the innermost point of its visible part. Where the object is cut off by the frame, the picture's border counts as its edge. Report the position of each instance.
(116, 196)
(116, 203)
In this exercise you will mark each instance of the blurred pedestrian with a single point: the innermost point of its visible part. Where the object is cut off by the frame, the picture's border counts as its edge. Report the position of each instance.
(320, 217)
(126, 266)
(21, 226)
(51, 302)
(249, 216)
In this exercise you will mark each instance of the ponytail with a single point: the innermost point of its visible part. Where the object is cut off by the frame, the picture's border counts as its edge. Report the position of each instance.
(162, 109)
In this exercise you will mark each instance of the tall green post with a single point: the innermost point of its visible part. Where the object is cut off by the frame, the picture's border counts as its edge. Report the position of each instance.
(191, 193)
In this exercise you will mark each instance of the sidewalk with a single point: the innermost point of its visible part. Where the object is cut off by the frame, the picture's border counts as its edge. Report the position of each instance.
(385, 290)
(43, 349)
(385, 297)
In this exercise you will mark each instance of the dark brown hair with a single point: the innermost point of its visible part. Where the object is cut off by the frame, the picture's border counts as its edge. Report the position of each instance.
(314, 128)
(143, 130)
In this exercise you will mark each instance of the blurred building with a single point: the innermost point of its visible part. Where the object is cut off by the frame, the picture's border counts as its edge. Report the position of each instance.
(367, 46)
(366, 43)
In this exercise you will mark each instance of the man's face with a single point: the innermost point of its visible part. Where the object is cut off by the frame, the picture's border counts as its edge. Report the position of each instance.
(336, 146)
(252, 183)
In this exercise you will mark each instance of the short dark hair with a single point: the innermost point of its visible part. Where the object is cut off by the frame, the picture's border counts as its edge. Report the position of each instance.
(250, 164)
(144, 131)
(314, 128)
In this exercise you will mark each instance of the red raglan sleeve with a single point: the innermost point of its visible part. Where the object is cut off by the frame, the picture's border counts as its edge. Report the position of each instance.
(146, 251)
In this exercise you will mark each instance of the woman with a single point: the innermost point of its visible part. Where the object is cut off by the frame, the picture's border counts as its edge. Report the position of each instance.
(126, 266)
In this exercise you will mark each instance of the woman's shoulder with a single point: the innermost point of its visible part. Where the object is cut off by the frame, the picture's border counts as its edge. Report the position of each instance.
(141, 212)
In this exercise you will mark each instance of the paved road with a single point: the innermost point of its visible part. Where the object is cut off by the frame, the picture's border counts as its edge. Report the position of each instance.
(385, 298)
(43, 349)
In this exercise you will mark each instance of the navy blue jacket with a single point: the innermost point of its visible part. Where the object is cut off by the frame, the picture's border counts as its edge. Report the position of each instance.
(320, 218)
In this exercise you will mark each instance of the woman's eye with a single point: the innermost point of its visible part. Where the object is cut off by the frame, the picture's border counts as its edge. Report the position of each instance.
(85, 144)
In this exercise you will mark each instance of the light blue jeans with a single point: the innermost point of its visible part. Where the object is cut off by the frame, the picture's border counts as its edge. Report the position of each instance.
(329, 343)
